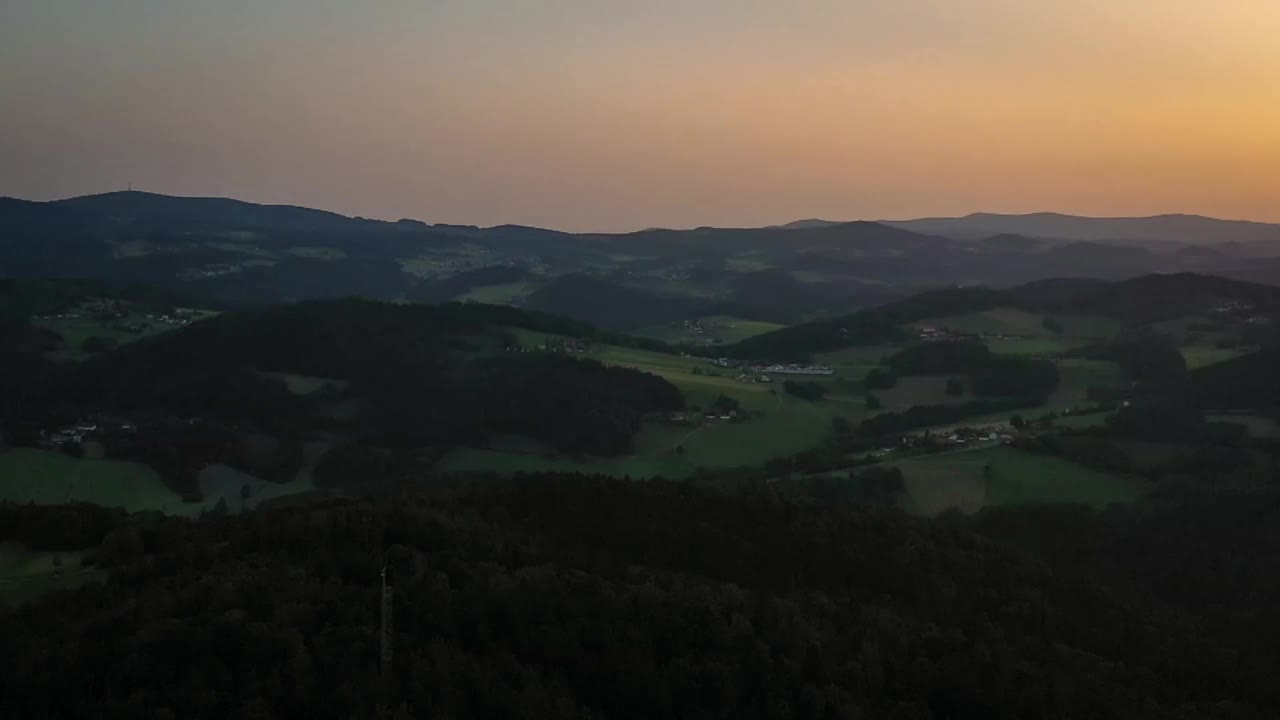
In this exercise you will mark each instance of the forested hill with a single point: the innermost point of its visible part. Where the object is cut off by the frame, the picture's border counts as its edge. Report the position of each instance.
(573, 597)
(391, 374)
(1141, 300)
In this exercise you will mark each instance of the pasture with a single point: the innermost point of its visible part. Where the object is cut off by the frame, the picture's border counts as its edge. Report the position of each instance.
(50, 478)
(1198, 356)
(921, 390)
(970, 480)
(724, 329)
(307, 384)
(27, 574)
(503, 294)
(770, 424)
(1259, 426)
(1035, 347)
(1010, 321)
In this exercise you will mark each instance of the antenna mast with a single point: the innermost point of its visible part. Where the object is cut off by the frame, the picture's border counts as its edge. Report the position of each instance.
(386, 623)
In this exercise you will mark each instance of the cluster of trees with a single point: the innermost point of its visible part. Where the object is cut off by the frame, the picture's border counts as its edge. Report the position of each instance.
(921, 416)
(810, 391)
(990, 374)
(584, 597)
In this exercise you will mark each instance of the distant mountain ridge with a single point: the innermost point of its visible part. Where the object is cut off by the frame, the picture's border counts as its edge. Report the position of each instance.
(242, 253)
(1190, 229)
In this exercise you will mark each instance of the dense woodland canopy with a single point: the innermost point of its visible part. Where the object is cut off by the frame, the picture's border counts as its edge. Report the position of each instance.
(583, 597)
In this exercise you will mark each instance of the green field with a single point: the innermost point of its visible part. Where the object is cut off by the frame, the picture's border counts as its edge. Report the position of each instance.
(1259, 426)
(1084, 421)
(1077, 376)
(504, 294)
(959, 480)
(856, 362)
(771, 424)
(307, 384)
(75, 330)
(1035, 346)
(1009, 321)
(746, 263)
(318, 253)
(717, 328)
(27, 574)
(50, 478)
(920, 390)
(1198, 356)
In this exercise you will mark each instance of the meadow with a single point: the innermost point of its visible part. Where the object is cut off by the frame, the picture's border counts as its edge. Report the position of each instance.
(44, 477)
(503, 294)
(969, 480)
(1198, 356)
(1259, 426)
(1009, 321)
(27, 574)
(724, 329)
(770, 423)
(49, 478)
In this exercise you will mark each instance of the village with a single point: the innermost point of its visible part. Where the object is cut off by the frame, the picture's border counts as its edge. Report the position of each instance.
(72, 436)
(754, 372)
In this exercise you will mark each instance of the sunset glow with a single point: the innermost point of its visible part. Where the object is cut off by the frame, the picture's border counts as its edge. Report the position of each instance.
(602, 115)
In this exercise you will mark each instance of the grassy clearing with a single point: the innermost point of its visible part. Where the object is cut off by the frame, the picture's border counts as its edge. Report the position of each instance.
(475, 460)
(716, 328)
(1259, 426)
(317, 253)
(920, 390)
(27, 574)
(785, 425)
(1091, 420)
(961, 481)
(1077, 376)
(746, 264)
(307, 384)
(856, 362)
(74, 331)
(222, 483)
(771, 424)
(1036, 346)
(1198, 356)
(1009, 321)
(503, 294)
(49, 478)
(1151, 455)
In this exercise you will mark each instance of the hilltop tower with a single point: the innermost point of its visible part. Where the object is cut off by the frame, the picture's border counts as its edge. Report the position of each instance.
(386, 622)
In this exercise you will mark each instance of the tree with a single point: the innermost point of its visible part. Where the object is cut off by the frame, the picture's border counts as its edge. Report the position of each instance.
(881, 379)
(873, 402)
(955, 386)
(724, 403)
(1052, 324)
(810, 391)
(1018, 422)
(97, 344)
(840, 425)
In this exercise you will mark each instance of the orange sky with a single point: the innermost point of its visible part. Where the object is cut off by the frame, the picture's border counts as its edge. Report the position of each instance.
(610, 115)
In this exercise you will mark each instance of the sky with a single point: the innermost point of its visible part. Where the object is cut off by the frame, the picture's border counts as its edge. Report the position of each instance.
(614, 115)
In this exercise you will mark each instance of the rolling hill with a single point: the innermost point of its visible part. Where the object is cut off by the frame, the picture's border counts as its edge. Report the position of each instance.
(1141, 300)
(1190, 229)
(241, 253)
